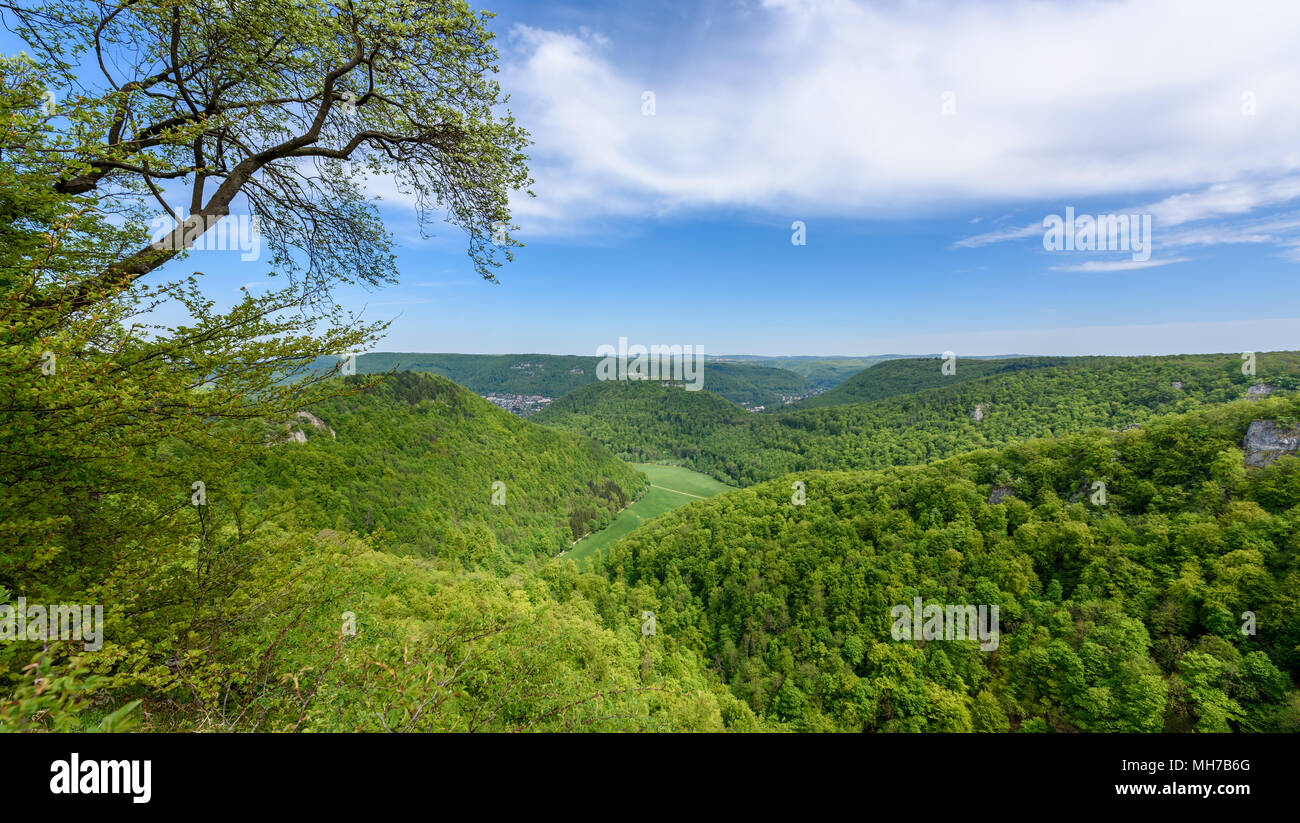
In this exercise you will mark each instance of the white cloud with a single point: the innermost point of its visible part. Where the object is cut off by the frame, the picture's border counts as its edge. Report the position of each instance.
(1213, 202)
(1280, 229)
(815, 108)
(1001, 235)
(1118, 265)
(1224, 199)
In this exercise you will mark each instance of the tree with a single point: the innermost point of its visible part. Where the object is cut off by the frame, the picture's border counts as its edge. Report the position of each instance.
(123, 436)
(289, 106)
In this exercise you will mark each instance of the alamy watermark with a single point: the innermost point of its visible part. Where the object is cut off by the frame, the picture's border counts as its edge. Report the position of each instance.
(1103, 232)
(20, 621)
(76, 776)
(684, 363)
(242, 233)
(946, 622)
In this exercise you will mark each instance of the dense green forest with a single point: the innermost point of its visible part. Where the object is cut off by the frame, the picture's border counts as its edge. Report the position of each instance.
(414, 463)
(552, 375)
(650, 422)
(752, 385)
(821, 372)
(828, 372)
(1118, 612)
(356, 574)
(646, 420)
(894, 377)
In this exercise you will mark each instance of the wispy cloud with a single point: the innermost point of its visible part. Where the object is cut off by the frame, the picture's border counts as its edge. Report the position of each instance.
(1225, 204)
(1224, 199)
(1280, 230)
(1119, 265)
(1000, 236)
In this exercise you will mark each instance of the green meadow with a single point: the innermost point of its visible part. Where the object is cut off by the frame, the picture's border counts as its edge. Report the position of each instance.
(670, 487)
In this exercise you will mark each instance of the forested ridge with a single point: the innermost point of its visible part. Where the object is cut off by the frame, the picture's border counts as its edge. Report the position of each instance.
(889, 378)
(355, 574)
(413, 461)
(823, 372)
(1118, 613)
(649, 422)
(552, 375)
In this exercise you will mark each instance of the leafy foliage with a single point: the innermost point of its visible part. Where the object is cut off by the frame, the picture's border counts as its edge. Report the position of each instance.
(659, 423)
(1114, 617)
(412, 462)
(552, 375)
(890, 378)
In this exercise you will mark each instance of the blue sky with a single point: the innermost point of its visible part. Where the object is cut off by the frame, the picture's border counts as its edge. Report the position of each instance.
(921, 145)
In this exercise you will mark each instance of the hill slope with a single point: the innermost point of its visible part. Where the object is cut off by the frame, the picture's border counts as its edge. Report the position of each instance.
(1111, 392)
(552, 375)
(414, 465)
(670, 487)
(1118, 613)
(645, 421)
(821, 372)
(894, 377)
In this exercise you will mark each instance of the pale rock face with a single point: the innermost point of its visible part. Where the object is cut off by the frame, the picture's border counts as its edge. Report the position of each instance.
(1177, 384)
(978, 414)
(1000, 493)
(1079, 493)
(316, 423)
(1265, 442)
(294, 434)
(1260, 390)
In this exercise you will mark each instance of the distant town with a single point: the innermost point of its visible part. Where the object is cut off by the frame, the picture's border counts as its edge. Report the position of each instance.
(524, 405)
(786, 399)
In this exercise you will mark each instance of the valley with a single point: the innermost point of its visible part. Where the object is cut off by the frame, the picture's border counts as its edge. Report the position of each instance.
(1119, 513)
(670, 487)
(1117, 608)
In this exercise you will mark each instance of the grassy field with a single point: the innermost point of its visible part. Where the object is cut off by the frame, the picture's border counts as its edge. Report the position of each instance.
(670, 487)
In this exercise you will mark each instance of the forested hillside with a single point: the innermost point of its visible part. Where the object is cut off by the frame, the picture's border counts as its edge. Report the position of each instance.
(355, 575)
(646, 420)
(821, 372)
(893, 377)
(413, 463)
(1118, 612)
(751, 385)
(1112, 392)
(826, 372)
(553, 375)
(550, 375)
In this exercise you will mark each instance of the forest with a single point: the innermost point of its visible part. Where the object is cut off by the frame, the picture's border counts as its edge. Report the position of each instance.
(1010, 402)
(411, 461)
(1120, 613)
(552, 375)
